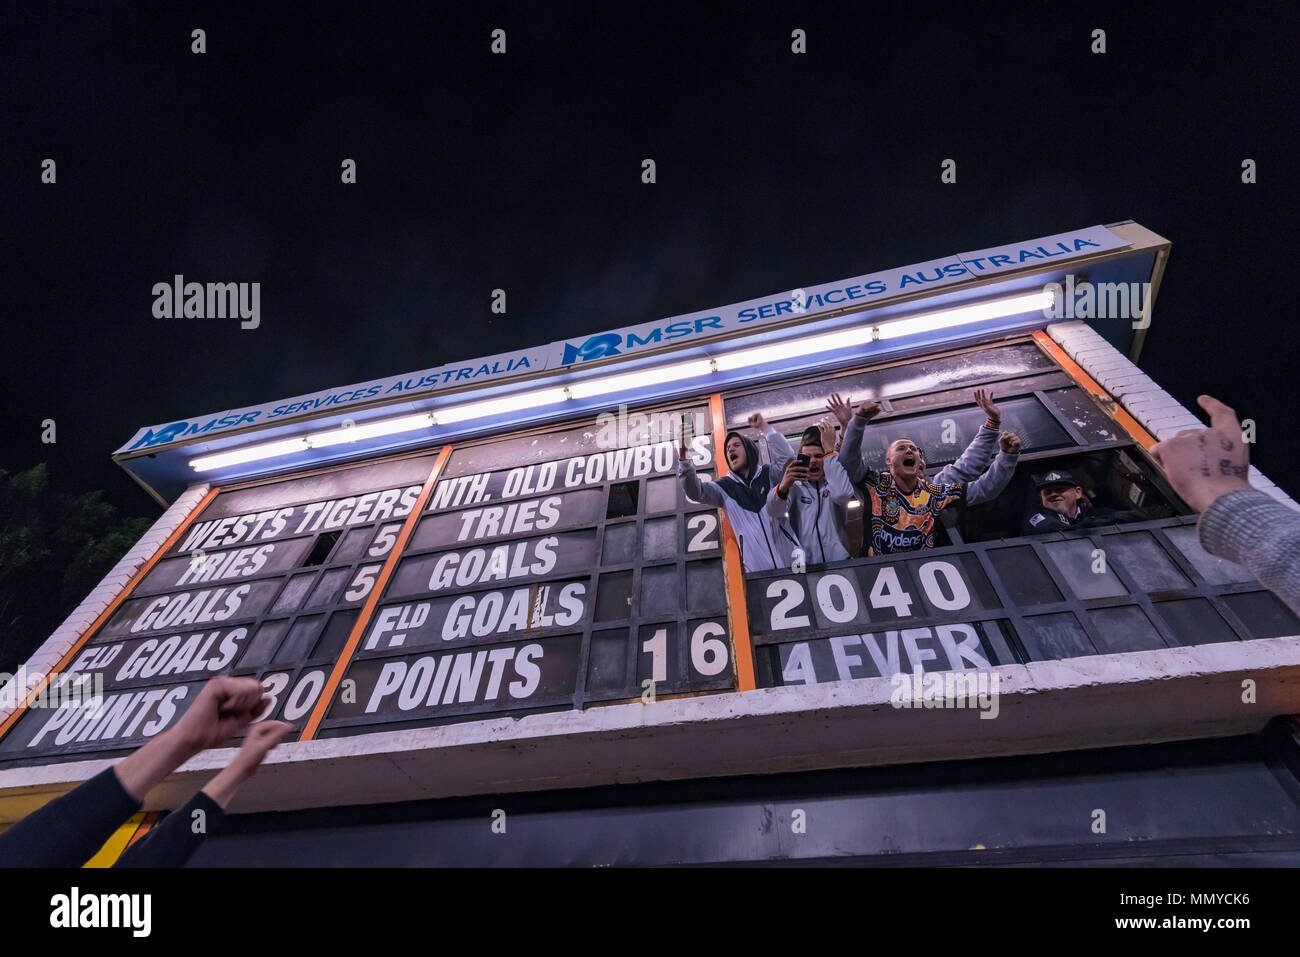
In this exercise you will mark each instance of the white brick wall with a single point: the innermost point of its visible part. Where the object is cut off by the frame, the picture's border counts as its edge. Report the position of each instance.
(1157, 411)
(74, 626)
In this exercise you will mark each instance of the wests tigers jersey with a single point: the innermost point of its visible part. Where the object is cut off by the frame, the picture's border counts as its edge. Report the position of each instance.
(902, 521)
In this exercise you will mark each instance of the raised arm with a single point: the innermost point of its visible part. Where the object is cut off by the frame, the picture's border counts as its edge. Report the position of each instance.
(852, 426)
(976, 457)
(703, 492)
(779, 451)
(1210, 469)
(991, 484)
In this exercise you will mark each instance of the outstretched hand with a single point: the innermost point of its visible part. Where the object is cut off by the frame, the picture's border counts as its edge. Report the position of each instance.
(984, 398)
(826, 425)
(1202, 464)
(840, 408)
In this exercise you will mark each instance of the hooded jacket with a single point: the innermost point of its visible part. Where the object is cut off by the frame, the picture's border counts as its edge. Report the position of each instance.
(766, 540)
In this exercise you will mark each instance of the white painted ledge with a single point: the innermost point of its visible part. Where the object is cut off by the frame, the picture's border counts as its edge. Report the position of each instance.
(1098, 701)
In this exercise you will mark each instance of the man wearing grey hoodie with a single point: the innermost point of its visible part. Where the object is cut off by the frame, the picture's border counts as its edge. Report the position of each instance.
(766, 540)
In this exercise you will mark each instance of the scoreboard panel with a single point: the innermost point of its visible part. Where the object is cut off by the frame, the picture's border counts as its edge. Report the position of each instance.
(547, 571)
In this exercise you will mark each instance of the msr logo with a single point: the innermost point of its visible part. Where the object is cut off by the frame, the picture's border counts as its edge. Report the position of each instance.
(614, 343)
(165, 434)
(597, 347)
(75, 909)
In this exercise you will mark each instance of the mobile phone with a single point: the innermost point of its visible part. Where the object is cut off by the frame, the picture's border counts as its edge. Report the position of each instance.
(803, 460)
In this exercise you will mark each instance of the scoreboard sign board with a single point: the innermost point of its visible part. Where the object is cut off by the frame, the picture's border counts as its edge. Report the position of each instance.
(876, 619)
(544, 572)
(583, 575)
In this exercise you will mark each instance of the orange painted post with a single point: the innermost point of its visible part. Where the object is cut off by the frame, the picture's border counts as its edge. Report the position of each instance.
(358, 629)
(732, 569)
(108, 612)
(1126, 421)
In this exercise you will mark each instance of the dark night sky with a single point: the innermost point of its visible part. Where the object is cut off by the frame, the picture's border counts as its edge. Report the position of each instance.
(523, 172)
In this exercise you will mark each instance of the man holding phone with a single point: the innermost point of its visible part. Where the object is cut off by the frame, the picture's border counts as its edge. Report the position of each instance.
(813, 493)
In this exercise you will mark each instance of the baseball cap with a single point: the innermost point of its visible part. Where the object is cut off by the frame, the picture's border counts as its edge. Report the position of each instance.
(1055, 477)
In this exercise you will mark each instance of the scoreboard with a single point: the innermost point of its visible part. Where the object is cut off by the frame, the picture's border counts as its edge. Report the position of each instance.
(543, 572)
(563, 567)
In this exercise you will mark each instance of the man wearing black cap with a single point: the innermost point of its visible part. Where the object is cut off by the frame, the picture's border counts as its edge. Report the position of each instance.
(1066, 507)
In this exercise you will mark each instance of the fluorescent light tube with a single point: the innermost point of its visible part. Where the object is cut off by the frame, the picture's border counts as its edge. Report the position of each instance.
(888, 329)
(251, 453)
(506, 403)
(634, 380)
(370, 430)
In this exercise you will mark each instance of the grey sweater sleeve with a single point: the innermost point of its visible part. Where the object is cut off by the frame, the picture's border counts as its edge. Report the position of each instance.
(990, 485)
(779, 453)
(850, 454)
(971, 464)
(697, 491)
(1262, 535)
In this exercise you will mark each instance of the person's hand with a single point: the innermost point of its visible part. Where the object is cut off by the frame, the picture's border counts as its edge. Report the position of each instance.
(794, 472)
(870, 409)
(840, 408)
(1009, 442)
(757, 422)
(826, 425)
(1202, 464)
(685, 432)
(224, 706)
(984, 399)
(261, 738)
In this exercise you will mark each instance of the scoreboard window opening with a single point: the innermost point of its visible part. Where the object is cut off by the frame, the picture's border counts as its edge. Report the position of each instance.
(987, 596)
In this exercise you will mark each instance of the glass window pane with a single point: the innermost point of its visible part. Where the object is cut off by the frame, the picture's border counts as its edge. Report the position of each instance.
(1263, 614)
(1214, 570)
(294, 593)
(620, 542)
(1194, 622)
(354, 544)
(1074, 559)
(660, 539)
(1124, 628)
(1023, 576)
(1048, 637)
(301, 637)
(807, 397)
(1143, 560)
(335, 635)
(263, 643)
(329, 586)
(705, 591)
(660, 593)
(607, 663)
(661, 494)
(614, 597)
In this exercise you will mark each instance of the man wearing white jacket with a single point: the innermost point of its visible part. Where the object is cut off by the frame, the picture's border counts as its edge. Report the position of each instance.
(766, 541)
(813, 494)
